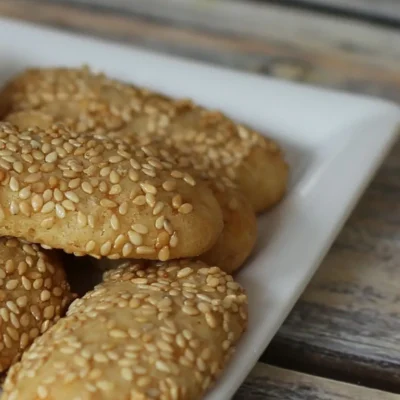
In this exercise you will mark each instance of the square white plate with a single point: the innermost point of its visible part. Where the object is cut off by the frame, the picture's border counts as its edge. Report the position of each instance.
(334, 143)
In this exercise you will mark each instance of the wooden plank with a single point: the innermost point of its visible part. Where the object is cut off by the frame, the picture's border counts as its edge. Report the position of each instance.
(265, 21)
(359, 60)
(347, 323)
(270, 383)
(384, 9)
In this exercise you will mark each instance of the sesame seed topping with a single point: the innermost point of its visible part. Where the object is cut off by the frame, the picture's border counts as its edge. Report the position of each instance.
(140, 228)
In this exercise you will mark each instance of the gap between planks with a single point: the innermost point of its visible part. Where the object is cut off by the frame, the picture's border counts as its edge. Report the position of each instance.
(329, 63)
(265, 21)
(272, 383)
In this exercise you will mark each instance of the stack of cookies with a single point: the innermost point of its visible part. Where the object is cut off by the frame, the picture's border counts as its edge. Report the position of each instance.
(159, 193)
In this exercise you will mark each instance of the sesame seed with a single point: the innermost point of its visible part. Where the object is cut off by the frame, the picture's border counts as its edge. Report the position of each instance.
(7, 341)
(185, 208)
(4, 314)
(177, 201)
(12, 284)
(127, 249)
(190, 310)
(211, 321)
(32, 178)
(37, 202)
(26, 283)
(25, 208)
(58, 196)
(163, 254)
(72, 196)
(13, 333)
(145, 250)
(140, 228)
(47, 223)
(185, 272)
(91, 221)
(106, 203)
(60, 211)
(135, 238)
(68, 205)
(139, 200)
(115, 159)
(18, 167)
(81, 219)
(105, 248)
(189, 180)
(10, 266)
(150, 199)
(117, 334)
(114, 222)
(14, 207)
(47, 195)
(51, 157)
(12, 307)
(134, 164)
(114, 177)
(168, 227)
(45, 295)
(38, 283)
(14, 185)
(148, 188)
(159, 224)
(48, 207)
(177, 174)
(169, 185)
(74, 183)
(133, 175)
(123, 208)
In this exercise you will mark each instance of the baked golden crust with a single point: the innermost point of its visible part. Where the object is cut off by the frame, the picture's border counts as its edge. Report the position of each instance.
(165, 331)
(34, 294)
(238, 237)
(89, 194)
(227, 149)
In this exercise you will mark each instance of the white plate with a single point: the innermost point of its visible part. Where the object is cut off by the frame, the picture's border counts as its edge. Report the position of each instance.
(334, 143)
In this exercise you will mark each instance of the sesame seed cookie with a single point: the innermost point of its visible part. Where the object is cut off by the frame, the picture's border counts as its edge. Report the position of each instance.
(234, 245)
(227, 148)
(89, 194)
(238, 237)
(34, 294)
(165, 331)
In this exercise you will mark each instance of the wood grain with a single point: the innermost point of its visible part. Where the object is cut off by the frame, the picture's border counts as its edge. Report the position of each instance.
(385, 9)
(339, 54)
(347, 323)
(270, 383)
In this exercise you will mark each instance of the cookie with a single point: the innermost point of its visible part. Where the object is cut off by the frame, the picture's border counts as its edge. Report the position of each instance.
(88, 194)
(230, 149)
(34, 294)
(161, 332)
(238, 237)
(234, 245)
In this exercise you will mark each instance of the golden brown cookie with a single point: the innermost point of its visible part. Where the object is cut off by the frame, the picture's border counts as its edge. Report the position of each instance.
(89, 194)
(34, 294)
(238, 238)
(235, 243)
(227, 148)
(162, 332)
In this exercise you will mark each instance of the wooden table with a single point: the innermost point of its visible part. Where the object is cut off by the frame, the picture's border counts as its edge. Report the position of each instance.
(342, 339)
